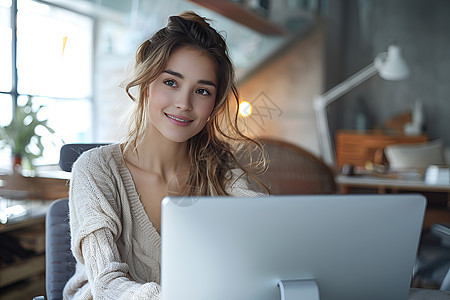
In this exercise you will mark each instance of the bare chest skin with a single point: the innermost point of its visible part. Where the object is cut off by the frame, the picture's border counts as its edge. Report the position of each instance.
(152, 188)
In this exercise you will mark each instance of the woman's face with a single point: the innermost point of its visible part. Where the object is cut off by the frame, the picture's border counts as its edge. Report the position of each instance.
(182, 97)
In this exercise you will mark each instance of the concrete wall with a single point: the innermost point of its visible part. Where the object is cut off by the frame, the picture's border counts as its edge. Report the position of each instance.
(282, 89)
(358, 30)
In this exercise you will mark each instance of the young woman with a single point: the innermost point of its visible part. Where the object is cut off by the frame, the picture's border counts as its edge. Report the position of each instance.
(175, 146)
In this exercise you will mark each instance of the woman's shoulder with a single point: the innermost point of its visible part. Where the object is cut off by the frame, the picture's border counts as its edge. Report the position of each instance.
(96, 167)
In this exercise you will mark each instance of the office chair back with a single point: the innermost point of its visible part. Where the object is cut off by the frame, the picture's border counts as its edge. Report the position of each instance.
(60, 263)
(70, 152)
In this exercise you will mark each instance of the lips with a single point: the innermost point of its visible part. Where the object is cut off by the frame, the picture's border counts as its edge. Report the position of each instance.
(178, 120)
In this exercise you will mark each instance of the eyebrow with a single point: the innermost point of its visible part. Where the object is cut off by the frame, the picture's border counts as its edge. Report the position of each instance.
(179, 75)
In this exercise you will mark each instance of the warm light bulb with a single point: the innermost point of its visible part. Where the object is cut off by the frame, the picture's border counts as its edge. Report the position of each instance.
(245, 109)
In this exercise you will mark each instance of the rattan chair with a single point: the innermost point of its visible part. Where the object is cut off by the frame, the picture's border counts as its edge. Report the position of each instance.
(294, 170)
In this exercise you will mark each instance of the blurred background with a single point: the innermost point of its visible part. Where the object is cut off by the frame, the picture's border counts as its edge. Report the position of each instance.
(70, 57)
(62, 63)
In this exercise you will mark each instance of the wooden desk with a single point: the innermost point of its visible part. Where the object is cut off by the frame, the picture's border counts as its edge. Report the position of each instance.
(356, 148)
(42, 188)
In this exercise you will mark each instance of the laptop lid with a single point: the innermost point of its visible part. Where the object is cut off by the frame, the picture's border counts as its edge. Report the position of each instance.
(351, 246)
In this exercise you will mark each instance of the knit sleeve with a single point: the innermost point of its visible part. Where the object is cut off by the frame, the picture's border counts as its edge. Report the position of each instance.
(95, 228)
(108, 276)
(91, 201)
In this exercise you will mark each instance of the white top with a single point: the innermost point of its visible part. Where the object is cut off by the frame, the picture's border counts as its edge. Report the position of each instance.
(117, 248)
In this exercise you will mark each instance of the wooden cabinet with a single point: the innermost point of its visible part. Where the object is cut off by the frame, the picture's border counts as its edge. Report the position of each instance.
(22, 238)
(24, 277)
(356, 148)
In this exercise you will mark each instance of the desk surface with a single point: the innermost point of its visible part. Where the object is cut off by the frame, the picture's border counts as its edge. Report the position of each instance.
(376, 182)
(439, 213)
(425, 294)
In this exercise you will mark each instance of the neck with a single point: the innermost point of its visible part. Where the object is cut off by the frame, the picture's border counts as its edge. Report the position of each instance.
(161, 156)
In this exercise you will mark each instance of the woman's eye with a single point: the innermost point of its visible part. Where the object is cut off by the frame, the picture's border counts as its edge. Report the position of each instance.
(170, 82)
(204, 92)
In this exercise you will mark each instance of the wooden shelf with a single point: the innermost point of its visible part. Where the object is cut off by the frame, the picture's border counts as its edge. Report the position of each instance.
(26, 289)
(241, 15)
(22, 270)
(24, 278)
(22, 274)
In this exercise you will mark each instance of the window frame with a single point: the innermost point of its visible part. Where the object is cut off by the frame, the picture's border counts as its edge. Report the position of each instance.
(14, 92)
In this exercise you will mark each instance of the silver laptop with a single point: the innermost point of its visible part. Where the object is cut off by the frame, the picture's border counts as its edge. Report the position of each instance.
(341, 246)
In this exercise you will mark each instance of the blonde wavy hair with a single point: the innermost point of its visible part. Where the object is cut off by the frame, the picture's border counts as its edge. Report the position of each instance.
(214, 152)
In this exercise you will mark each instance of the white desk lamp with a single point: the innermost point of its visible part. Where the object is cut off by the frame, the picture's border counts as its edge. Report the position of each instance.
(389, 65)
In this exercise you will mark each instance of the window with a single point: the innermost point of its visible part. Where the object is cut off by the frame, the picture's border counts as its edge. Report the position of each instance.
(54, 52)
(7, 109)
(53, 68)
(5, 49)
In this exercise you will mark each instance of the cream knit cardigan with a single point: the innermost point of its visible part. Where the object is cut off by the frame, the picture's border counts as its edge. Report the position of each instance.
(116, 246)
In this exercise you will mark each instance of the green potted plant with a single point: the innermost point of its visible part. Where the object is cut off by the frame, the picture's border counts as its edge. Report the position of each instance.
(21, 137)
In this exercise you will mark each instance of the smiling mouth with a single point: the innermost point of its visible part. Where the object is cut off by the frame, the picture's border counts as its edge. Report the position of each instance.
(178, 119)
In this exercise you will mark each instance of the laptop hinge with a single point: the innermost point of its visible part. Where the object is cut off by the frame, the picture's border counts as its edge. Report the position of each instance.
(299, 289)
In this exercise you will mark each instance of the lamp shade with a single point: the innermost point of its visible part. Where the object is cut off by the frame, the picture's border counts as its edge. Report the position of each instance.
(391, 65)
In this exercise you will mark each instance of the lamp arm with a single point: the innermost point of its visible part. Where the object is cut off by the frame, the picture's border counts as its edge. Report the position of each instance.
(322, 101)
(352, 82)
(325, 146)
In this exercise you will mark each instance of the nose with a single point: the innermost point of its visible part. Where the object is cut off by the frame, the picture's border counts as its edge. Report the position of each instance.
(183, 101)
